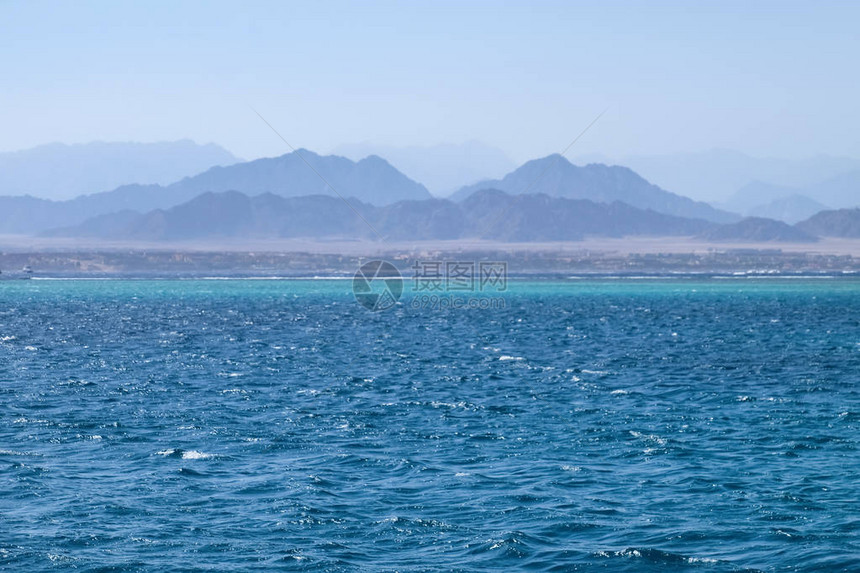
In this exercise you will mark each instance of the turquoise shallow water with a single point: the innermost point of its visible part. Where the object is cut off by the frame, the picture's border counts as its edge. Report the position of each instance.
(663, 425)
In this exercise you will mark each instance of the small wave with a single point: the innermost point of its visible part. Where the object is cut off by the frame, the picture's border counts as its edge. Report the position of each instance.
(30, 421)
(452, 405)
(17, 453)
(186, 454)
(506, 357)
(61, 559)
(649, 437)
(190, 472)
(656, 556)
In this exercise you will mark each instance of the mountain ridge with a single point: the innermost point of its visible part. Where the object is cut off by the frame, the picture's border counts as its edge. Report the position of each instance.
(286, 175)
(844, 223)
(487, 214)
(556, 176)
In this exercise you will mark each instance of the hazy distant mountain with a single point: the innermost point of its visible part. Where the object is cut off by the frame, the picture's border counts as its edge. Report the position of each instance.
(442, 168)
(556, 176)
(789, 209)
(841, 191)
(837, 223)
(757, 229)
(59, 171)
(487, 214)
(755, 194)
(371, 179)
(716, 174)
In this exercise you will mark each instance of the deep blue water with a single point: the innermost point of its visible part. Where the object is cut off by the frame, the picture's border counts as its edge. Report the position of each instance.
(277, 425)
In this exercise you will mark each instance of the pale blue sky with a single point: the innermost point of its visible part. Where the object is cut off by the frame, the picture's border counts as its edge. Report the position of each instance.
(766, 78)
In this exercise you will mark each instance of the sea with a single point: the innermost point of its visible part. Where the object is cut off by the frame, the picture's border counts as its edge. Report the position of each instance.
(583, 424)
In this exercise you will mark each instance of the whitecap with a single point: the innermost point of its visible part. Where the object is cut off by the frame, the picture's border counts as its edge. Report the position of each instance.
(437, 404)
(186, 454)
(650, 437)
(17, 453)
(30, 421)
(195, 455)
(701, 560)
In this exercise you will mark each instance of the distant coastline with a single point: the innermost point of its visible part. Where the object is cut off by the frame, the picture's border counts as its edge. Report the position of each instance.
(310, 259)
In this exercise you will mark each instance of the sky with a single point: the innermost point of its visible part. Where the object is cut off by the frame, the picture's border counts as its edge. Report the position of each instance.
(766, 78)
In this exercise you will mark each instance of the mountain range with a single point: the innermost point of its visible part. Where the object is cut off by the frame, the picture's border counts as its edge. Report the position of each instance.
(58, 171)
(372, 179)
(556, 176)
(485, 214)
(302, 194)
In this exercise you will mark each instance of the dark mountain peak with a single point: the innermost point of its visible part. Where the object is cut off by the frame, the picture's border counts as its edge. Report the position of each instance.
(489, 194)
(551, 159)
(555, 157)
